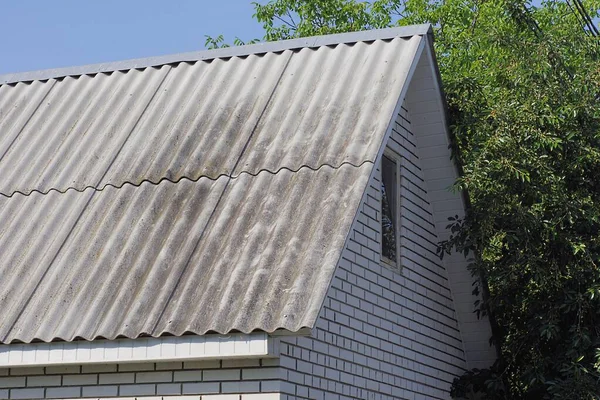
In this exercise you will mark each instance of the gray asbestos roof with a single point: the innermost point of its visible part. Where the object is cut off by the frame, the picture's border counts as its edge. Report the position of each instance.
(207, 192)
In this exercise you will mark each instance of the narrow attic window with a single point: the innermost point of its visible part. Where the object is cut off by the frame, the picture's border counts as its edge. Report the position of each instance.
(389, 212)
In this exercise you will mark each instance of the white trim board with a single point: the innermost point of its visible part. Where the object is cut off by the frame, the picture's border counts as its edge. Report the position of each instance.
(182, 348)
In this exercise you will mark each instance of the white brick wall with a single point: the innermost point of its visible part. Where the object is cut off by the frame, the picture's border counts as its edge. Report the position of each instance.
(383, 334)
(251, 379)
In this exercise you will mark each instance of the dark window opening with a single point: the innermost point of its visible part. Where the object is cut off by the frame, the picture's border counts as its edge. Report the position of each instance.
(389, 212)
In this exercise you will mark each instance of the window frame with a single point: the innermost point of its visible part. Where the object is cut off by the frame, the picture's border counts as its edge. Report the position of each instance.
(396, 159)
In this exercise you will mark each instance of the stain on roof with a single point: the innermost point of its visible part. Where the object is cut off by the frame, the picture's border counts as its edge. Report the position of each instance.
(195, 196)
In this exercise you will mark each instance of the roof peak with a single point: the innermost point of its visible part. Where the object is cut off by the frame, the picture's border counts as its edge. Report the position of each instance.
(236, 51)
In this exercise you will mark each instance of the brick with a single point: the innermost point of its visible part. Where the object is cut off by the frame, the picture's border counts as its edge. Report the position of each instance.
(3, 394)
(183, 398)
(222, 397)
(99, 368)
(117, 378)
(205, 364)
(4, 371)
(137, 390)
(288, 362)
(136, 367)
(169, 366)
(262, 396)
(261, 373)
(85, 379)
(63, 369)
(270, 386)
(221, 375)
(63, 392)
(200, 388)
(302, 391)
(44, 380)
(15, 381)
(241, 363)
(143, 377)
(27, 371)
(168, 388)
(100, 391)
(240, 387)
(183, 376)
(26, 393)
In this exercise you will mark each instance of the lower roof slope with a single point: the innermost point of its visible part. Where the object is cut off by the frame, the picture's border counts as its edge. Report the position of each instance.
(199, 196)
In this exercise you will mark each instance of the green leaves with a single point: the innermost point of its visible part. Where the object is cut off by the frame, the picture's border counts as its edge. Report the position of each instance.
(285, 19)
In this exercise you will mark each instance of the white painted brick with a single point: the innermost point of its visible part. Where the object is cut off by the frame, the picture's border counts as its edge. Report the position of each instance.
(240, 387)
(27, 371)
(261, 373)
(221, 374)
(169, 366)
(84, 379)
(117, 378)
(261, 396)
(99, 391)
(222, 397)
(10, 382)
(145, 377)
(137, 390)
(63, 392)
(183, 376)
(26, 393)
(200, 388)
(168, 388)
(4, 394)
(49, 380)
(63, 369)
(240, 363)
(270, 386)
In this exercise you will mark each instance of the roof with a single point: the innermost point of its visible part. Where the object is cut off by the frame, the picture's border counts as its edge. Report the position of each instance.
(210, 192)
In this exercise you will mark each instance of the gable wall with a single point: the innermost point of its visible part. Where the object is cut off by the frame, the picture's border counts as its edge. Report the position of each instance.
(382, 334)
(251, 379)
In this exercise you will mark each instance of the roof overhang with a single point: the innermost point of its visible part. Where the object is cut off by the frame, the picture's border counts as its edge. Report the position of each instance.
(182, 348)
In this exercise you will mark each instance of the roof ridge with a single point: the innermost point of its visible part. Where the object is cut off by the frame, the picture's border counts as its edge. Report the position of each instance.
(236, 51)
(175, 181)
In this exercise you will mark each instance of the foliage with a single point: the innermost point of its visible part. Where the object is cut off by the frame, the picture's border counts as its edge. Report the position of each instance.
(212, 43)
(523, 88)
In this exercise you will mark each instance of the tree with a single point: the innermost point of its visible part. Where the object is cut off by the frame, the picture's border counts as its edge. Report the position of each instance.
(523, 87)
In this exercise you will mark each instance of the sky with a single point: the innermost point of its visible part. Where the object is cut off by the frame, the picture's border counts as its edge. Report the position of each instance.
(41, 34)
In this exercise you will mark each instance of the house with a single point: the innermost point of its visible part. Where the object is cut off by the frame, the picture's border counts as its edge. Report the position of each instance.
(249, 223)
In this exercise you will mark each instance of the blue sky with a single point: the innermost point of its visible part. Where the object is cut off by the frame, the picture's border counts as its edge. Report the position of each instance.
(40, 34)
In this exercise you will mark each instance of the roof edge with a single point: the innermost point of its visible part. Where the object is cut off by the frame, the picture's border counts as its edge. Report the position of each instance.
(237, 51)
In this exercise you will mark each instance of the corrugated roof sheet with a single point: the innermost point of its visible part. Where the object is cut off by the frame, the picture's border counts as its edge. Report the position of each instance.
(194, 197)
